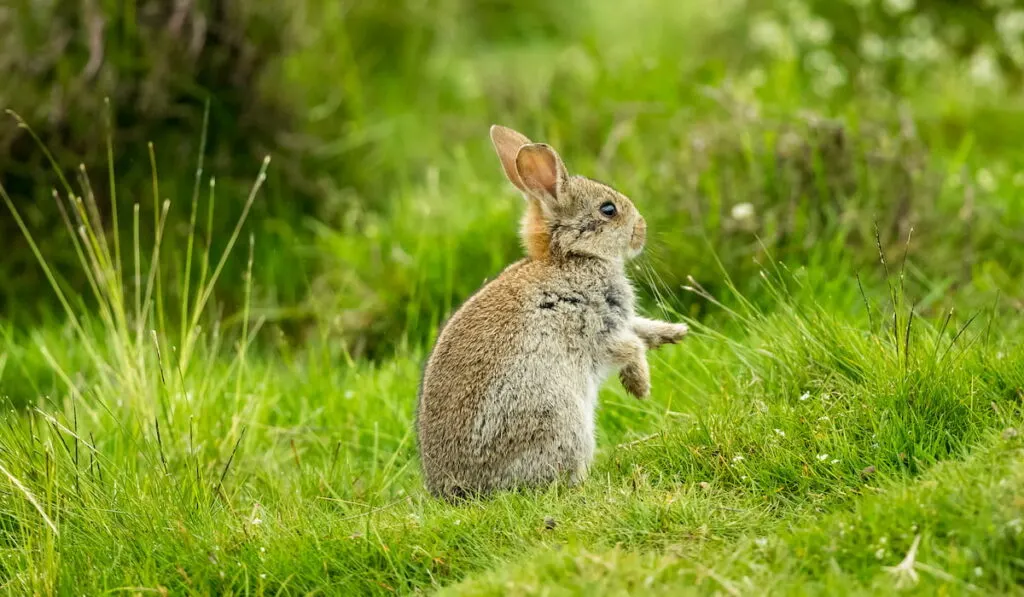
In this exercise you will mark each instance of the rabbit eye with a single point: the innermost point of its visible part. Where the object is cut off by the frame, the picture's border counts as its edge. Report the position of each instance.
(608, 209)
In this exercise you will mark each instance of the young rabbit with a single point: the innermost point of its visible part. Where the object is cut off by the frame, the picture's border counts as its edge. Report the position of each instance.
(510, 389)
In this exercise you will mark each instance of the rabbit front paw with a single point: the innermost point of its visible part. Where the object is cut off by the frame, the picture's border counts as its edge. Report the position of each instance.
(635, 380)
(656, 333)
(674, 332)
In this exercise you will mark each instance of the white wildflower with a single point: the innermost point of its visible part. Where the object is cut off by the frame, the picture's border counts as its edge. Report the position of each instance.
(742, 211)
(823, 457)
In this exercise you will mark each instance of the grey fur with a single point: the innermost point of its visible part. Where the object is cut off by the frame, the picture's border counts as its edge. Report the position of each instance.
(509, 392)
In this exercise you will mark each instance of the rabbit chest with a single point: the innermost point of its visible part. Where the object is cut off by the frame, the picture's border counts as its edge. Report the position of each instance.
(583, 315)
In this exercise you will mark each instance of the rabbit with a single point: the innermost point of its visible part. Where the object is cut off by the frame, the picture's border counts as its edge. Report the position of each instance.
(509, 392)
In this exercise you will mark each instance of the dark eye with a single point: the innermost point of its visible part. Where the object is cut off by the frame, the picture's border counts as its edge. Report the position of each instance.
(608, 209)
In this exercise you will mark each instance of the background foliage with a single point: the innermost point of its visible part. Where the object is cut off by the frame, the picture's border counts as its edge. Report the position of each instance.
(834, 195)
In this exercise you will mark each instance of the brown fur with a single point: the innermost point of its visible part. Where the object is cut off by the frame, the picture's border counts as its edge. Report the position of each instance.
(535, 234)
(510, 390)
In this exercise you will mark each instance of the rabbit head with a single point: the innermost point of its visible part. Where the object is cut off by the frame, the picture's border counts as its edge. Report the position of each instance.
(567, 214)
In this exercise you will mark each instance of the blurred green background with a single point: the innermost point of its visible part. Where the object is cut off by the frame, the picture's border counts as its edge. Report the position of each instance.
(739, 128)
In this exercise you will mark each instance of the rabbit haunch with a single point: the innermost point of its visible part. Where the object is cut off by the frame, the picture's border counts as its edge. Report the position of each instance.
(510, 389)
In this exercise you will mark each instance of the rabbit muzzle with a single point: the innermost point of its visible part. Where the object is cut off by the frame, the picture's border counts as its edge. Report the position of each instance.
(636, 242)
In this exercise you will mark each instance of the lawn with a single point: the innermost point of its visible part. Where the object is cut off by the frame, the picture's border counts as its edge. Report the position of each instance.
(839, 222)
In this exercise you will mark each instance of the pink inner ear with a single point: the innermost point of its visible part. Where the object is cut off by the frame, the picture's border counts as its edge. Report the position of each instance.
(507, 143)
(538, 168)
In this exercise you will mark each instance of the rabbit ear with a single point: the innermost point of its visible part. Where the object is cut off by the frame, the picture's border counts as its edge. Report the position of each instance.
(507, 143)
(541, 170)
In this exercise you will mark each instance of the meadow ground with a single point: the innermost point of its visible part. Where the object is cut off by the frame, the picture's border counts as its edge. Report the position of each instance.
(842, 233)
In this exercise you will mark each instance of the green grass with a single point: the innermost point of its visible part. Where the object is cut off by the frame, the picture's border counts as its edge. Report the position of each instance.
(845, 418)
(965, 515)
(263, 469)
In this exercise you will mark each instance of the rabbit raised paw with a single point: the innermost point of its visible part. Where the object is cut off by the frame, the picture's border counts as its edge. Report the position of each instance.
(509, 391)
